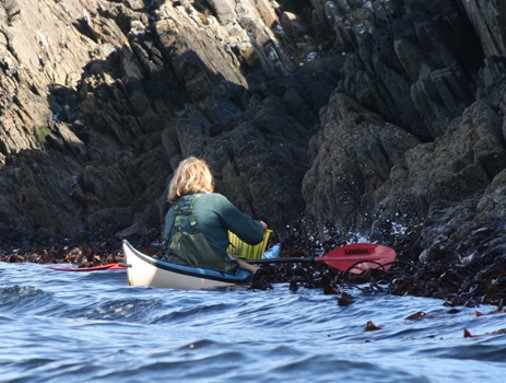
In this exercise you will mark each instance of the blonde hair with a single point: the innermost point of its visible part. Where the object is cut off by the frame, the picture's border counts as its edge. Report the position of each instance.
(191, 176)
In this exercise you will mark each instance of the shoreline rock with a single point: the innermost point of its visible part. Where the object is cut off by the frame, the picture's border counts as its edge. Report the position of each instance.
(331, 121)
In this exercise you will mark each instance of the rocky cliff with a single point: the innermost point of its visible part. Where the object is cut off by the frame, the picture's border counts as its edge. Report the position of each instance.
(383, 119)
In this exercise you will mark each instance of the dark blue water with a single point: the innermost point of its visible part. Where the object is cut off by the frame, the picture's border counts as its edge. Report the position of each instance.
(91, 327)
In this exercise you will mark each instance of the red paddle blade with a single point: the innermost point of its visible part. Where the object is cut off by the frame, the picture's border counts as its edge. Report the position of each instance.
(110, 266)
(357, 257)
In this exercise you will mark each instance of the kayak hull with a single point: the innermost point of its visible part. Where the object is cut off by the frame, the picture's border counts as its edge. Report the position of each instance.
(144, 270)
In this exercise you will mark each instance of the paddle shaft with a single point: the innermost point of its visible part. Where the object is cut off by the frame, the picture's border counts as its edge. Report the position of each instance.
(353, 258)
(281, 260)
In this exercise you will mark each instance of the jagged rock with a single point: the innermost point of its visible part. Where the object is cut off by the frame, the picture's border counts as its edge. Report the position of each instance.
(365, 117)
(451, 171)
(224, 10)
(357, 150)
(486, 18)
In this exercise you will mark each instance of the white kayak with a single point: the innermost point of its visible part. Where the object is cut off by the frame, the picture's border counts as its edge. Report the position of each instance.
(144, 270)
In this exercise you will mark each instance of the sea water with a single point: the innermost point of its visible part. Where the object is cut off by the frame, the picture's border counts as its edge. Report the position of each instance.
(92, 327)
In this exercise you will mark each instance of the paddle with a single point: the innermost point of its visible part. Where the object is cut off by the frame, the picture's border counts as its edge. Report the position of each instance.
(109, 266)
(353, 258)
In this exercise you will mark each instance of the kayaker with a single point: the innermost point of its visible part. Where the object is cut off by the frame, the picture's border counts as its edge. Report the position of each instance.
(197, 224)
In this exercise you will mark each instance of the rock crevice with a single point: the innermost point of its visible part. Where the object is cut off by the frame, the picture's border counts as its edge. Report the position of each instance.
(322, 118)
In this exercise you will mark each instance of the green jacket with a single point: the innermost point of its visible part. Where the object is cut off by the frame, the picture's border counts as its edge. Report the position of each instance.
(215, 215)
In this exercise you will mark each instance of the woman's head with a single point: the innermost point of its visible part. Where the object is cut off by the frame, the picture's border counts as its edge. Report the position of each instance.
(191, 176)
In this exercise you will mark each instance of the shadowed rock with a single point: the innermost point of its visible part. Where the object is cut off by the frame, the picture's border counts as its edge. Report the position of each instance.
(379, 119)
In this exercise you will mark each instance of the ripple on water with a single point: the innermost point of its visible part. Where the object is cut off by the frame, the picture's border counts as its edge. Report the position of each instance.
(19, 299)
(79, 327)
(471, 351)
(183, 313)
(128, 310)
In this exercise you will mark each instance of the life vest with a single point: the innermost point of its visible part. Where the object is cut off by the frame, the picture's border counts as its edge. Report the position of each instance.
(190, 247)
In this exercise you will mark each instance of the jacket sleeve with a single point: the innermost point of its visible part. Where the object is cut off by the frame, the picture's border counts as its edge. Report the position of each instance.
(245, 227)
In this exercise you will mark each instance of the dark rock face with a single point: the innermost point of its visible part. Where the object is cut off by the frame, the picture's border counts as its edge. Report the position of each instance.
(322, 118)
